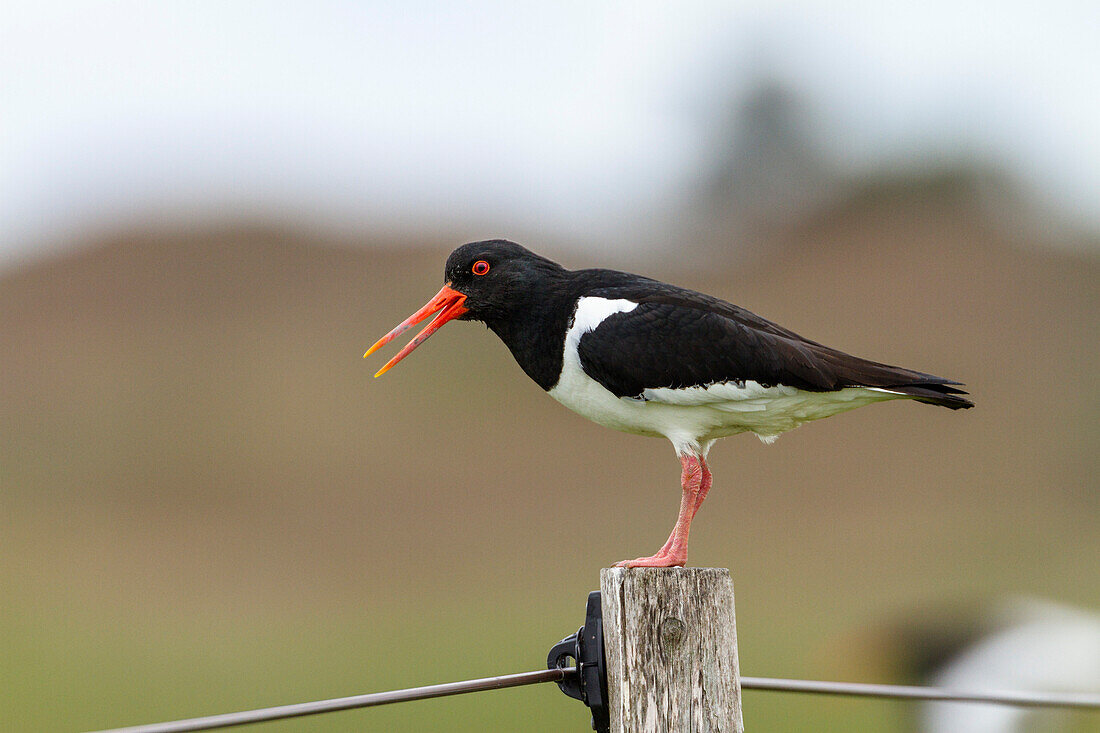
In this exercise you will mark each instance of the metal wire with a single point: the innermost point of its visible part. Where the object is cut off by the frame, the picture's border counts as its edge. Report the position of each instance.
(860, 689)
(912, 692)
(347, 703)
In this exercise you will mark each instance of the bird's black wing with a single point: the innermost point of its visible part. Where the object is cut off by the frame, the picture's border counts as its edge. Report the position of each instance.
(614, 284)
(677, 339)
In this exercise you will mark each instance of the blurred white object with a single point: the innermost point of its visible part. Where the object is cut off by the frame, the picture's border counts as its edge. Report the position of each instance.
(1039, 646)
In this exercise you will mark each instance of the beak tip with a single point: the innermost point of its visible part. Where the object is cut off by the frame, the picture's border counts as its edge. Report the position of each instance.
(447, 304)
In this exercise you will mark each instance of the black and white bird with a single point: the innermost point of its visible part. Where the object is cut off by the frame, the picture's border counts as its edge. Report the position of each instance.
(649, 358)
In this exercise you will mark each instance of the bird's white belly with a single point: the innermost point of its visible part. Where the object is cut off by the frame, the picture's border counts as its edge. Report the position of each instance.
(693, 417)
(684, 426)
(774, 411)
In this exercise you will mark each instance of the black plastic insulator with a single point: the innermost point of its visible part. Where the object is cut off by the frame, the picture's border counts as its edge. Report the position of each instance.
(585, 647)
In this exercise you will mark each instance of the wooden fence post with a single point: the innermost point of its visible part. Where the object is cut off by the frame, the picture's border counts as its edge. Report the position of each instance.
(670, 639)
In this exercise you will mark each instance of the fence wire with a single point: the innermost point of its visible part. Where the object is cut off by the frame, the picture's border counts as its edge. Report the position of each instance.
(1086, 701)
(296, 710)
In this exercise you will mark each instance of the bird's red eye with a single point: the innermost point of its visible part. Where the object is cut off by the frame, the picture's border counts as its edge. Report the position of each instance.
(480, 267)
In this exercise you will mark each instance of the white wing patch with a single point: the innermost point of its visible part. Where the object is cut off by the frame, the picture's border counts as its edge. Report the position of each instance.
(740, 396)
(592, 311)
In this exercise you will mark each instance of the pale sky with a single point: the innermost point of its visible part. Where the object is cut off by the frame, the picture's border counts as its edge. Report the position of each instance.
(567, 117)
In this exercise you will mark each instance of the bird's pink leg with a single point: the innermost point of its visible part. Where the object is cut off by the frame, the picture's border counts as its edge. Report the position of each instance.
(695, 481)
(704, 486)
(704, 489)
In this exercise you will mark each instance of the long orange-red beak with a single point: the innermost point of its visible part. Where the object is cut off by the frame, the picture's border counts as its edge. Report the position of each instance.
(447, 303)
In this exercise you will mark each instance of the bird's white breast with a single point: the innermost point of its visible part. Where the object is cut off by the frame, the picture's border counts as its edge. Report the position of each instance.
(585, 396)
(578, 391)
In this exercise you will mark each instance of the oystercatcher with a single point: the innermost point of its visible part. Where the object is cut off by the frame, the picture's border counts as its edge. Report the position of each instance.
(649, 358)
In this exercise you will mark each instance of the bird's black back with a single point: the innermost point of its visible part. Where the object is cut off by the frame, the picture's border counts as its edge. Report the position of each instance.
(681, 338)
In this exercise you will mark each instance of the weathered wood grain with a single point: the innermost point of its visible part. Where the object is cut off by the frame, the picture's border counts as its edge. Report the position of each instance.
(671, 646)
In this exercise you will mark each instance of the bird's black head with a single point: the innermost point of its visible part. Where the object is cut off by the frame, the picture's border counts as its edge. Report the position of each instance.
(497, 277)
(485, 281)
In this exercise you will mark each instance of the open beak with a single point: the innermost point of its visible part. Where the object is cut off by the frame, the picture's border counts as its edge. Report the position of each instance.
(447, 303)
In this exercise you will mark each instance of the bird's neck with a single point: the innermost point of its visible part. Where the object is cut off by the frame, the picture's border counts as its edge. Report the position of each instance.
(534, 333)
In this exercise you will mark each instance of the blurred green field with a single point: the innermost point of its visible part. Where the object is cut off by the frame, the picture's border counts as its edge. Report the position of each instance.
(209, 505)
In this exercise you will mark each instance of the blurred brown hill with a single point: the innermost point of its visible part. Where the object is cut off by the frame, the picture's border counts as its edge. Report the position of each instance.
(188, 425)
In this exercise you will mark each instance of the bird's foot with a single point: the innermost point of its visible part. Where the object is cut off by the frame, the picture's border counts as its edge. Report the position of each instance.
(669, 560)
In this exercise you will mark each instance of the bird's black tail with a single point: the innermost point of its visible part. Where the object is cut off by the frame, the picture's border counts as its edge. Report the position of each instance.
(935, 393)
(928, 388)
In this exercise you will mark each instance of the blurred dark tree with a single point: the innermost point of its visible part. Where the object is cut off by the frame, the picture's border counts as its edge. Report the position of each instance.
(765, 168)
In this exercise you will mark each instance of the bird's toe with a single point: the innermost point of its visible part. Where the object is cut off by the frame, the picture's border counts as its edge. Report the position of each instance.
(654, 561)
